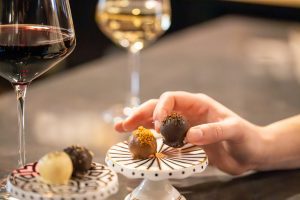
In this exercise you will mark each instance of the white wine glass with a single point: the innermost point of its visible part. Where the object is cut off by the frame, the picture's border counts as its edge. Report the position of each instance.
(133, 25)
(34, 36)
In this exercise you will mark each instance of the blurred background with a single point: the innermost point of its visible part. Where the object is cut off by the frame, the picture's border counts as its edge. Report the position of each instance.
(92, 44)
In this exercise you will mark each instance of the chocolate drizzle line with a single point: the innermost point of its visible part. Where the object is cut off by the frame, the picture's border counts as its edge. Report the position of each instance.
(167, 164)
(153, 159)
(180, 161)
(168, 149)
(113, 149)
(122, 147)
(191, 160)
(161, 147)
(158, 163)
(119, 153)
(143, 162)
(125, 160)
(135, 161)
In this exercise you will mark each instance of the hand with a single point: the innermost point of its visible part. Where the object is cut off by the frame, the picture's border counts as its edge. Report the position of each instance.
(232, 144)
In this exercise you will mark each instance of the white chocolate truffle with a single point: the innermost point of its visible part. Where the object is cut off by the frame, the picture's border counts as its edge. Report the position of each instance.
(55, 168)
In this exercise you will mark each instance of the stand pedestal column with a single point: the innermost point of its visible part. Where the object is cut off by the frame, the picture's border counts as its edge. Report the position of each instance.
(155, 190)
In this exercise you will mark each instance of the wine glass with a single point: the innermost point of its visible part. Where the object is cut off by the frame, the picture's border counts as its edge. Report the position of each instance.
(34, 36)
(133, 25)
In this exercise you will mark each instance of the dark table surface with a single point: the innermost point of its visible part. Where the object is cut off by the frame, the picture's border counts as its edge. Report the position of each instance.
(250, 65)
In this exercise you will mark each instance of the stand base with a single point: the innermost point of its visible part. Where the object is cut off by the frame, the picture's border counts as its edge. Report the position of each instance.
(154, 190)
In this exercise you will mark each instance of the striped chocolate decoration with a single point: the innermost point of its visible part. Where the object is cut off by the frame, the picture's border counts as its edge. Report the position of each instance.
(168, 163)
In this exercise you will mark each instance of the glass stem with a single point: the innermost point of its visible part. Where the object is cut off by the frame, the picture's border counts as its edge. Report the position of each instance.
(21, 94)
(134, 69)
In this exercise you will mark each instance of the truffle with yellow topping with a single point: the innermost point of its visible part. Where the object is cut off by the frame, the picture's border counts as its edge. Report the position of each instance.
(142, 143)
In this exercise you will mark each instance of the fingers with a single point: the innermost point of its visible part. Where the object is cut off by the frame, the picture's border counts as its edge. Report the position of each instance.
(214, 132)
(182, 102)
(196, 108)
(142, 116)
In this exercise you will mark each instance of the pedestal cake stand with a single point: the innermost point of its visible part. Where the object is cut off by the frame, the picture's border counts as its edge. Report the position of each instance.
(168, 163)
(98, 183)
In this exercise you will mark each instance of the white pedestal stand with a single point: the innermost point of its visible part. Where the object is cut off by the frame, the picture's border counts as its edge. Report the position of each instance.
(97, 184)
(168, 163)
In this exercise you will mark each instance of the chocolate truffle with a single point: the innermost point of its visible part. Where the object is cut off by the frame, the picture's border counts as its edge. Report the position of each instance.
(174, 129)
(81, 159)
(55, 168)
(142, 143)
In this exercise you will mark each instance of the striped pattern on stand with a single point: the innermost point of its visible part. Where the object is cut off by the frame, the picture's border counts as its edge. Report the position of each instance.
(168, 163)
(98, 183)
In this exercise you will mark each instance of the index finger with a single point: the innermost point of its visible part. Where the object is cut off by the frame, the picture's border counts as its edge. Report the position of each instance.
(188, 104)
(142, 116)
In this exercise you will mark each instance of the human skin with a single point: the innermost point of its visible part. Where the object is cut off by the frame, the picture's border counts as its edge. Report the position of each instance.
(232, 143)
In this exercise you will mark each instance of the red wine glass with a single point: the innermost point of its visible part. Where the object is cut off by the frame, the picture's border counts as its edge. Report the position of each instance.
(34, 36)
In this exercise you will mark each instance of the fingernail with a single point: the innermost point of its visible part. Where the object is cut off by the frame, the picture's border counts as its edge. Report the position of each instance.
(194, 136)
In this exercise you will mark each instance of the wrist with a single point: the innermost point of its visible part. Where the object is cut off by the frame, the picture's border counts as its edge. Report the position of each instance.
(281, 145)
(264, 161)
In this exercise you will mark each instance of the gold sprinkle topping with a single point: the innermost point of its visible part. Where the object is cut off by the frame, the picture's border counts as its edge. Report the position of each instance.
(174, 117)
(145, 136)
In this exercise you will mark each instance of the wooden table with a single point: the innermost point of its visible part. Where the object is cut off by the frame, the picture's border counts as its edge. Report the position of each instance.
(249, 65)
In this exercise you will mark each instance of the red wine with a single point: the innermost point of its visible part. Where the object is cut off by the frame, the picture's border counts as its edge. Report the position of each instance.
(27, 51)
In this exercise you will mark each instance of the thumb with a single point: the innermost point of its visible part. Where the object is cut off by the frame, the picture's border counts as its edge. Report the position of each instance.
(210, 133)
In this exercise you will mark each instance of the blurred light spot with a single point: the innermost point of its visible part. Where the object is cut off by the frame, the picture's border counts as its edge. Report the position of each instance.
(124, 43)
(165, 22)
(117, 120)
(127, 111)
(151, 4)
(114, 10)
(123, 3)
(114, 25)
(137, 47)
(136, 11)
(137, 22)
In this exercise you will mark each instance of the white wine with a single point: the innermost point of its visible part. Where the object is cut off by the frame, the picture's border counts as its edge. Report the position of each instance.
(133, 24)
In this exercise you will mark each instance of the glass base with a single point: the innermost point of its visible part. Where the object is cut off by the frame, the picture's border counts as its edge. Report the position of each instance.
(116, 113)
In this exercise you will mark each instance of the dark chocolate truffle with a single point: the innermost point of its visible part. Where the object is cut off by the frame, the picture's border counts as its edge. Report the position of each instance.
(142, 143)
(174, 129)
(81, 159)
